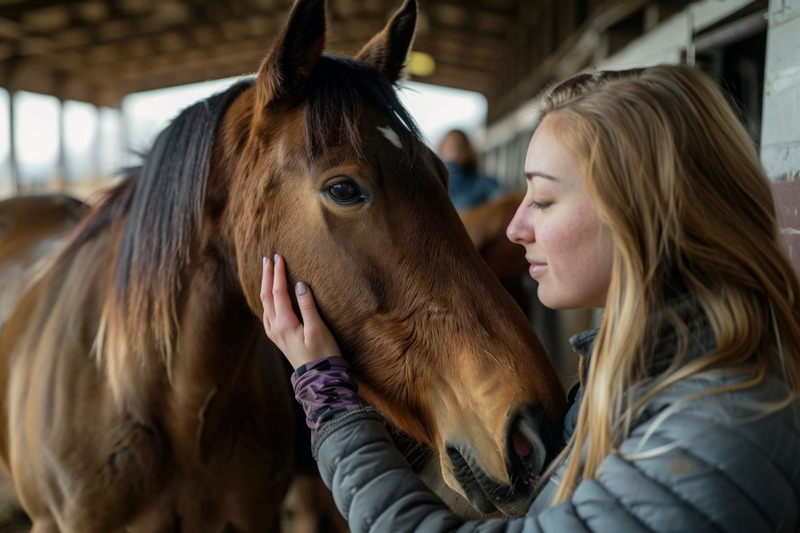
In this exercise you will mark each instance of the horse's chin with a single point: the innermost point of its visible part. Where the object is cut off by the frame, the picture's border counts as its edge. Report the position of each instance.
(454, 498)
(469, 498)
(486, 494)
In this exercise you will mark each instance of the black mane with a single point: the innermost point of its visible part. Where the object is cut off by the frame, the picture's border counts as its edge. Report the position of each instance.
(163, 199)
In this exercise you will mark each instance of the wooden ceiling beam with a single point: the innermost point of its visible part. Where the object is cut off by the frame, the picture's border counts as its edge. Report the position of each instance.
(15, 10)
(124, 47)
(476, 8)
(122, 30)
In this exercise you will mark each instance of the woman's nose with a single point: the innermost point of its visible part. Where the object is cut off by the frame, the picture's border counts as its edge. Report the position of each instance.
(520, 229)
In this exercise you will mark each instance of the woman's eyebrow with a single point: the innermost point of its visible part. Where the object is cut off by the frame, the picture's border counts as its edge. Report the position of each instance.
(537, 173)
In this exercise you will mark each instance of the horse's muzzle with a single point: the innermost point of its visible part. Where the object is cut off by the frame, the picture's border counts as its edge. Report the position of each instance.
(530, 445)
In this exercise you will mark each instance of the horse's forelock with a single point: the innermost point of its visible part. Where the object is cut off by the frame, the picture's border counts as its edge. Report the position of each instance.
(337, 93)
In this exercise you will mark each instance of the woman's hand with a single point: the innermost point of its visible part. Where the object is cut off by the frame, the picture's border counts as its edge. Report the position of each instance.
(303, 342)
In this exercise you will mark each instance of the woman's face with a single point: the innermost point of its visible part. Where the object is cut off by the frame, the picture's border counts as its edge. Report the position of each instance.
(568, 248)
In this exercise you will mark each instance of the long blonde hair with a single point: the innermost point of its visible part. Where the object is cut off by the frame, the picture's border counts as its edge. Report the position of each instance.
(678, 182)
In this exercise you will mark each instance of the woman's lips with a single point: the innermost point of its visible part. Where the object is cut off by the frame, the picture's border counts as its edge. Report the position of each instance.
(537, 269)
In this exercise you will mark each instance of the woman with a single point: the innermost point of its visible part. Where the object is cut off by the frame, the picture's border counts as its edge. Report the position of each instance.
(645, 197)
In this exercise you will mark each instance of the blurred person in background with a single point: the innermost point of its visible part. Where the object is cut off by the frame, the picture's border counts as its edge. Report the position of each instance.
(468, 187)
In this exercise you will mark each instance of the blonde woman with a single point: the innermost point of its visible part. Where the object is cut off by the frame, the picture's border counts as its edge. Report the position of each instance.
(646, 198)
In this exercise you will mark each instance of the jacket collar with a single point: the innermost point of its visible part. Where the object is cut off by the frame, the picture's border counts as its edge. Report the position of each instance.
(700, 336)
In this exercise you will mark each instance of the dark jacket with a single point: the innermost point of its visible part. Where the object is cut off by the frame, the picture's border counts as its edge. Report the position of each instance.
(469, 188)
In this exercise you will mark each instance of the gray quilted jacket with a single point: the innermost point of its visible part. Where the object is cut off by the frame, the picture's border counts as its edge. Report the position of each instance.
(715, 465)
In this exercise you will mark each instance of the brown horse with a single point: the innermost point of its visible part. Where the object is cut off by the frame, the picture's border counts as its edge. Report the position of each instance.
(31, 228)
(139, 390)
(486, 225)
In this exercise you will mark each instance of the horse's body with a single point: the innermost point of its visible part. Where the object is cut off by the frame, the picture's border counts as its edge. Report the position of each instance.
(83, 460)
(139, 391)
(31, 228)
(486, 225)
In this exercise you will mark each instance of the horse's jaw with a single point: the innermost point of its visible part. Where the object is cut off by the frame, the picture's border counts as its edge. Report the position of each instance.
(491, 434)
(431, 474)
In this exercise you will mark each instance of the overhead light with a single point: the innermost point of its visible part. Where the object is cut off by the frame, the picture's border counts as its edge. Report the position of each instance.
(421, 64)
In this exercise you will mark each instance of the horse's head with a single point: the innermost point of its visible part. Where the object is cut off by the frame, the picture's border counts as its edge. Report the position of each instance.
(330, 171)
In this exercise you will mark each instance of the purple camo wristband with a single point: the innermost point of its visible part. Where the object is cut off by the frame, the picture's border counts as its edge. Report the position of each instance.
(325, 388)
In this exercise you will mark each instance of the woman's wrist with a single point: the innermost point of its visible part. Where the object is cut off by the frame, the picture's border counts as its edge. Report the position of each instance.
(335, 360)
(325, 388)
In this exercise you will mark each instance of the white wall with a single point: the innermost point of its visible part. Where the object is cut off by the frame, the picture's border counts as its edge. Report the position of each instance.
(780, 134)
(780, 146)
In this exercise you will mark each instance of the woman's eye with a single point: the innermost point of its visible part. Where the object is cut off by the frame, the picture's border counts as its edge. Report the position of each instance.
(540, 205)
(344, 192)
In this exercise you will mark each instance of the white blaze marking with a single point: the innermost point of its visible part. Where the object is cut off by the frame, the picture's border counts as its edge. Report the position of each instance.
(390, 134)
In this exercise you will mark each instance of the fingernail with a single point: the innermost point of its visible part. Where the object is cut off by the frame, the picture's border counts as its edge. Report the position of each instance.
(264, 261)
(301, 288)
(275, 258)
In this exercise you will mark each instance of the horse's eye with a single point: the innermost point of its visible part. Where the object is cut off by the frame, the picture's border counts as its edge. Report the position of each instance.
(344, 192)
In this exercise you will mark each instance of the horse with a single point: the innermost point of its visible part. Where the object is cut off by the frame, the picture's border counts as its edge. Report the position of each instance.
(486, 226)
(140, 391)
(31, 228)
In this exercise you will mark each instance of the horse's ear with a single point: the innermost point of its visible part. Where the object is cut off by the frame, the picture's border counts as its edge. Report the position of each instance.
(388, 50)
(296, 50)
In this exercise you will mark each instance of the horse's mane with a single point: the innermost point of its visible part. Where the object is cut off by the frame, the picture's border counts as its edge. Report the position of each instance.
(163, 200)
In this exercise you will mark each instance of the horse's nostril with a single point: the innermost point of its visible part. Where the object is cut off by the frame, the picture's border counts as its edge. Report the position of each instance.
(527, 451)
(521, 444)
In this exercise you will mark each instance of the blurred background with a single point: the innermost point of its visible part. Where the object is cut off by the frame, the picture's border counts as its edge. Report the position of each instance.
(78, 147)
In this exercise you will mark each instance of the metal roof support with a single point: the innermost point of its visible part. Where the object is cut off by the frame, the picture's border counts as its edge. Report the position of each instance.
(61, 165)
(60, 179)
(12, 144)
(7, 81)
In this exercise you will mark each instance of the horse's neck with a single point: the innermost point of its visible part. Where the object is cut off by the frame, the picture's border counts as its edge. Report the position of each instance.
(217, 334)
(216, 337)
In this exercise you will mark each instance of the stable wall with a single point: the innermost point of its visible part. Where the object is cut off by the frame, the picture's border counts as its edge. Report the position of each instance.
(780, 148)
